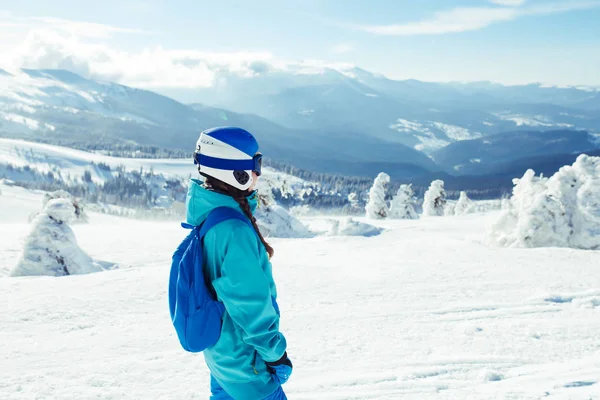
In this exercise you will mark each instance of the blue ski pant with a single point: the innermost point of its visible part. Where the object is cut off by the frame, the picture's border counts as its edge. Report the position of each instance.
(218, 393)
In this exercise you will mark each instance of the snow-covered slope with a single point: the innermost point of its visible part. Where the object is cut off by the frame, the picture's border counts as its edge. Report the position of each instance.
(422, 311)
(73, 164)
(57, 103)
(165, 181)
(46, 158)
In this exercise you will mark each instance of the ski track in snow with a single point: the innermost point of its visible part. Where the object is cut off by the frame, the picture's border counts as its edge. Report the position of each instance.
(424, 310)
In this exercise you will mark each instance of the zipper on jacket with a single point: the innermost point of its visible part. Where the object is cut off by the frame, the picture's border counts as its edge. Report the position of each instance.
(254, 363)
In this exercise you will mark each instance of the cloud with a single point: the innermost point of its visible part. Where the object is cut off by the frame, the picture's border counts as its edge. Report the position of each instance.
(83, 29)
(83, 48)
(93, 30)
(472, 18)
(508, 3)
(153, 68)
(343, 48)
(149, 68)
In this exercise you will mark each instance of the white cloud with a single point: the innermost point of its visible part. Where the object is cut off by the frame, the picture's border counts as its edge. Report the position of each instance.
(456, 20)
(73, 47)
(10, 24)
(343, 48)
(473, 18)
(150, 68)
(82, 29)
(508, 3)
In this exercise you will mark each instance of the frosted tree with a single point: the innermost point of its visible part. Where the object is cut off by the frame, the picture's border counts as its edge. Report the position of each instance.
(435, 199)
(588, 199)
(403, 204)
(80, 214)
(562, 211)
(463, 205)
(353, 200)
(377, 207)
(51, 247)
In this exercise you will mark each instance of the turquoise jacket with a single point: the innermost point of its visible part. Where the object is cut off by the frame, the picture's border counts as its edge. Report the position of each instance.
(240, 271)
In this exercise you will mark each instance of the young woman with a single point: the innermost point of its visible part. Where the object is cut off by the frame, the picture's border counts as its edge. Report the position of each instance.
(249, 361)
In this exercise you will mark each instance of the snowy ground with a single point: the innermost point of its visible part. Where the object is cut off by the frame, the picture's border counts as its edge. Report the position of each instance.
(424, 310)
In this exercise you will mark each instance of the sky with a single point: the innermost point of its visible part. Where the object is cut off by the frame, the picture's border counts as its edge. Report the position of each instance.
(194, 43)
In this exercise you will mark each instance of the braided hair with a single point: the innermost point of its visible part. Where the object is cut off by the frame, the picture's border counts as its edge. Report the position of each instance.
(241, 197)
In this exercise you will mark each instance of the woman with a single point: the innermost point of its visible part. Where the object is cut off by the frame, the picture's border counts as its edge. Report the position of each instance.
(249, 361)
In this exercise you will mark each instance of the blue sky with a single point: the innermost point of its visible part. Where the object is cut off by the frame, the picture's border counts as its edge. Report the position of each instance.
(507, 41)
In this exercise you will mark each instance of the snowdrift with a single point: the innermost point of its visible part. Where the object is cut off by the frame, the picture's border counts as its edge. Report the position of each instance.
(274, 220)
(350, 227)
(561, 211)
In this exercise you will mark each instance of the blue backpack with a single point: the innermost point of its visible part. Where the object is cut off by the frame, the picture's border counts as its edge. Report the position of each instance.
(195, 313)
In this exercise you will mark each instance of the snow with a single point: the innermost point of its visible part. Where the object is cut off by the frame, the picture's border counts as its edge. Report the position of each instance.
(433, 135)
(456, 132)
(58, 92)
(19, 119)
(561, 211)
(424, 310)
(531, 120)
(274, 220)
(429, 140)
(349, 227)
(45, 158)
(72, 164)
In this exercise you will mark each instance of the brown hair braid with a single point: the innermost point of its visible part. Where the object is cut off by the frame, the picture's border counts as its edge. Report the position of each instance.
(240, 196)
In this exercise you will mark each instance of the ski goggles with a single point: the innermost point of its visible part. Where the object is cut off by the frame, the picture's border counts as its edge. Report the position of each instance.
(254, 165)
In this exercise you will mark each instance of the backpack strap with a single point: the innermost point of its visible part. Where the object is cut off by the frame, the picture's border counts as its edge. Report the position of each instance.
(219, 215)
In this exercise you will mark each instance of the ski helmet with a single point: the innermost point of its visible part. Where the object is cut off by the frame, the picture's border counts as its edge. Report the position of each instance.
(228, 154)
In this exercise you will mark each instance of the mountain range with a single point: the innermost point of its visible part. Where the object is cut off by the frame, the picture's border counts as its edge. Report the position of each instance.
(349, 121)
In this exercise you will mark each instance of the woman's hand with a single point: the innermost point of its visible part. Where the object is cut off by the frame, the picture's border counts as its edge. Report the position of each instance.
(281, 369)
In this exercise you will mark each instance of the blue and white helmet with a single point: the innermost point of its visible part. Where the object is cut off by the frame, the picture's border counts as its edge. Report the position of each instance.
(228, 154)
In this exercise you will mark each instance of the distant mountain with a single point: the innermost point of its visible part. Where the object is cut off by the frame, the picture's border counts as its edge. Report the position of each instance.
(492, 153)
(423, 115)
(348, 122)
(546, 164)
(58, 106)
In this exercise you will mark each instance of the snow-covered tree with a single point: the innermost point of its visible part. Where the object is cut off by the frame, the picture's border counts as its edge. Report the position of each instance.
(449, 209)
(435, 199)
(80, 214)
(353, 200)
(562, 211)
(463, 205)
(403, 204)
(51, 247)
(377, 206)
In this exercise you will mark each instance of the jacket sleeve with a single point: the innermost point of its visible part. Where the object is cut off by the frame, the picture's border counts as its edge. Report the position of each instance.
(244, 290)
